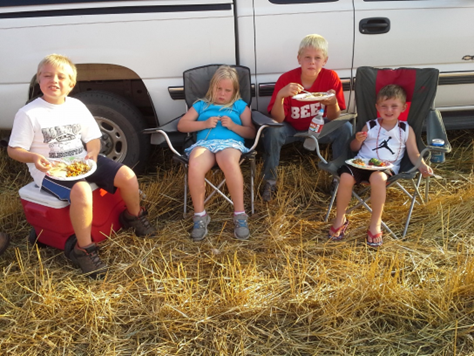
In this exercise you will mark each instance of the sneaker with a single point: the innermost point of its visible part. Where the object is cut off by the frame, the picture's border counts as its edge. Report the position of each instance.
(139, 223)
(4, 242)
(89, 261)
(200, 227)
(268, 191)
(241, 230)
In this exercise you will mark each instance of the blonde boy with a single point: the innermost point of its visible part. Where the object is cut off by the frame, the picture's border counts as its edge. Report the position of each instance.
(56, 126)
(297, 115)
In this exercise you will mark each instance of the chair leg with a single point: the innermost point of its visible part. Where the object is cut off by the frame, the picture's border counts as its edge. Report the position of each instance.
(427, 189)
(217, 190)
(185, 191)
(415, 195)
(252, 175)
(364, 203)
(333, 198)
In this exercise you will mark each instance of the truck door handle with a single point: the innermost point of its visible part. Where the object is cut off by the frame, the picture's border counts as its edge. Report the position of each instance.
(374, 25)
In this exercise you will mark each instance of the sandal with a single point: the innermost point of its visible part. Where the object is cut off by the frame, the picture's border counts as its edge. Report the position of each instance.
(341, 230)
(373, 237)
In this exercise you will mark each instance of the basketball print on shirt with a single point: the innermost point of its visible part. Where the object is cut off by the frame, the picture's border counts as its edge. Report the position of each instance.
(384, 144)
(63, 141)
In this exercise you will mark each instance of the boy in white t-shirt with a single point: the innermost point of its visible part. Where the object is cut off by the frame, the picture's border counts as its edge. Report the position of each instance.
(385, 139)
(55, 126)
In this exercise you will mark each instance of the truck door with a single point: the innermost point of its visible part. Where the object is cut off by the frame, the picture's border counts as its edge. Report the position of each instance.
(428, 33)
(280, 25)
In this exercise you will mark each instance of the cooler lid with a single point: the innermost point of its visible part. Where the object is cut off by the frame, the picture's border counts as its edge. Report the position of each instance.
(32, 193)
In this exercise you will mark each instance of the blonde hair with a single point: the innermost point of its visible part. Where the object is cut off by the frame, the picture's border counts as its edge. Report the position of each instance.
(58, 61)
(223, 72)
(392, 91)
(314, 41)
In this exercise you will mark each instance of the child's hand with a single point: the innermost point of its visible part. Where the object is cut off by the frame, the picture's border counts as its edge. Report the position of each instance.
(361, 136)
(212, 122)
(92, 156)
(42, 164)
(425, 170)
(227, 122)
(290, 90)
(332, 100)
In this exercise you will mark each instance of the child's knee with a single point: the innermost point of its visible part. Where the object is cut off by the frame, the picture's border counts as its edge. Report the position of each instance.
(125, 176)
(81, 191)
(378, 178)
(230, 167)
(346, 180)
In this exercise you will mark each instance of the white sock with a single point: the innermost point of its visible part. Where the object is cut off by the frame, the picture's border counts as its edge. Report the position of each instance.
(272, 181)
(239, 212)
(202, 213)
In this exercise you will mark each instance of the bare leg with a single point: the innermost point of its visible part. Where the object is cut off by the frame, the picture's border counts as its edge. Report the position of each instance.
(201, 161)
(343, 198)
(127, 182)
(80, 212)
(378, 192)
(228, 161)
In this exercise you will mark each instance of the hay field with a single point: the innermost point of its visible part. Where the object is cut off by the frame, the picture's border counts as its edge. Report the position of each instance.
(286, 291)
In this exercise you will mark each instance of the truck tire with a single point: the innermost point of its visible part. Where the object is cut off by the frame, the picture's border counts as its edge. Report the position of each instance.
(121, 124)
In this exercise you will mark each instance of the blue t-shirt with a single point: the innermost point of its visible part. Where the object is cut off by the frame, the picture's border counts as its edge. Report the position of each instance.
(220, 132)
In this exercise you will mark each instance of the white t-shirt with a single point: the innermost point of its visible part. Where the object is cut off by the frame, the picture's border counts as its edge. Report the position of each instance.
(385, 145)
(54, 131)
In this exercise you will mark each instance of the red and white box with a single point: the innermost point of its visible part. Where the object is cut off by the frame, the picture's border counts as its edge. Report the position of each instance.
(50, 219)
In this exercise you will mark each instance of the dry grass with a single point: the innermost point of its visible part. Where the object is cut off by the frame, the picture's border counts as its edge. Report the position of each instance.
(286, 291)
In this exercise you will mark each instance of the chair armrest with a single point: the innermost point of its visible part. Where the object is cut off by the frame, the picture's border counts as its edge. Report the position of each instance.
(170, 127)
(260, 119)
(166, 130)
(335, 124)
(435, 129)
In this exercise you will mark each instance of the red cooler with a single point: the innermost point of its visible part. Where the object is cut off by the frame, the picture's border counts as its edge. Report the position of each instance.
(49, 216)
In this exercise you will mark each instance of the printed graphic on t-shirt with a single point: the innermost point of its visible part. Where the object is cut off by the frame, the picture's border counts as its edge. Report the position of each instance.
(384, 144)
(305, 111)
(63, 141)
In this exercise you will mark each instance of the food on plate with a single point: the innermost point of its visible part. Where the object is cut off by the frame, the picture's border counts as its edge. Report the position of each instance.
(314, 95)
(359, 162)
(376, 162)
(64, 170)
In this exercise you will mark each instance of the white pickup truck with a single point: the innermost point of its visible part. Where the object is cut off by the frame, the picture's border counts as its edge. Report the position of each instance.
(131, 53)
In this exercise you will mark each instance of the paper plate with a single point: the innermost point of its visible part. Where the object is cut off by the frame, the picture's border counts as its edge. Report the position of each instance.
(313, 96)
(367, 166)
(91, 163)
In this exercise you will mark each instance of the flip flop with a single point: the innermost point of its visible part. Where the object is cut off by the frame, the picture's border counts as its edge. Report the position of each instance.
(372, 236)
(341, 230)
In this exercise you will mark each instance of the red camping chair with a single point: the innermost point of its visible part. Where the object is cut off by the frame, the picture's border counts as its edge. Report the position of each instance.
(420, 86)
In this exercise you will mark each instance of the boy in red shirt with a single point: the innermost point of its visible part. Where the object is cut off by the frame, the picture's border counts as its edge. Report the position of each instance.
(297, 115)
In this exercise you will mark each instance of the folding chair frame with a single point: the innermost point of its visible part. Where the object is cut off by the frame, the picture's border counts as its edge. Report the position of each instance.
(259, 119)
(434, 129)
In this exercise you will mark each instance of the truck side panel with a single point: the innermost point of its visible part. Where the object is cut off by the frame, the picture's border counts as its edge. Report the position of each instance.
(281, 26)
(430, 33)
(147, 37)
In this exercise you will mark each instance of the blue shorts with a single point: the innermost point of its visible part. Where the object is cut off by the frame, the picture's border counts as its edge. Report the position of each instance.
(217, 145)
(104, 177)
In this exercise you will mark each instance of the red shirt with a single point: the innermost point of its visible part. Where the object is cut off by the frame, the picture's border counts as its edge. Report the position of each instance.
(299, 113)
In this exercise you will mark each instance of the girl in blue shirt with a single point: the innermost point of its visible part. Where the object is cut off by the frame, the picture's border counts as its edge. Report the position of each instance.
(222, 121)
